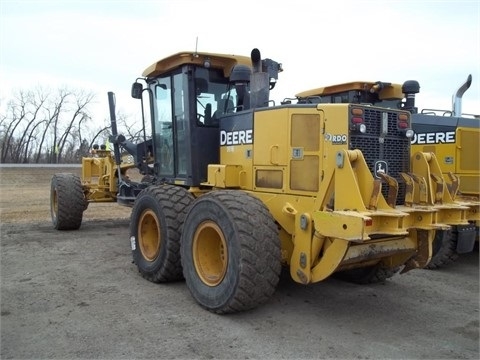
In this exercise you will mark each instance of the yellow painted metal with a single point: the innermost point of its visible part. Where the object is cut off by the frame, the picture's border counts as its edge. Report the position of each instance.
(468, 171)
(54, 204)
(461, 158)
(424, 239)
(236, 155)
(99, 176)
(301, 260)
(224, 176)
(464, 155)
(376, 249)
(269, 178)
(210, 253)
(468, 155)
(330, 209)
(345, 225)
(389, 92)
(425, 166)
(271, 138)
(221, 61)
(337, 230)
(460, 177)
(149, 239)
(198, 191)
(473, 205)
(333, 253)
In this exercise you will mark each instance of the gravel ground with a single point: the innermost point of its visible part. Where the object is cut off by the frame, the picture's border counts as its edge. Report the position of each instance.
(77, 295)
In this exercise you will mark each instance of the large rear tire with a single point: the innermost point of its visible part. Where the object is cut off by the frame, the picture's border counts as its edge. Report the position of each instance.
(67, 201)
(230, 252)
(155, 228)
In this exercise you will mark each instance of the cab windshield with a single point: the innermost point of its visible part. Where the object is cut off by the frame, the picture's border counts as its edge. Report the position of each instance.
(214, 96)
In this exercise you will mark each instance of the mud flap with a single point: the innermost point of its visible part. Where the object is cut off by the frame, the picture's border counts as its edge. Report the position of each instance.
(466, 235)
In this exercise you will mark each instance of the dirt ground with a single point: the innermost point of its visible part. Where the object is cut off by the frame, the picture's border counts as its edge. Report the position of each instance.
(77, 295)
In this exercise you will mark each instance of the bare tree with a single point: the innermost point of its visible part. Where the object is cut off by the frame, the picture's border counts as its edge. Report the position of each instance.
(102, 132)
(52, 111)
(31, 137)
(16, 112)
(82, 99)
(35, 101)
(54, 126)
(131, 130)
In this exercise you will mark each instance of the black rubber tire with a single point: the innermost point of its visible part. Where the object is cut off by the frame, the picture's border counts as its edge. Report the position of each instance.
(67, 201)
(155, 227)
(447, 252)
(244, 242)
(367, 275)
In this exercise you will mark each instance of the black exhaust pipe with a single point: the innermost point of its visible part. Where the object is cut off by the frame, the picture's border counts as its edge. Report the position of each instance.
(113, 121)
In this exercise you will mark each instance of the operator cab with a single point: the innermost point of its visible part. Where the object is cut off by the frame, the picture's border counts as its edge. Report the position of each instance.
(186, 95)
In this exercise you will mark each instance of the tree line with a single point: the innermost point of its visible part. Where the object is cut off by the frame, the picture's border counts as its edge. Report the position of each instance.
(53, 126)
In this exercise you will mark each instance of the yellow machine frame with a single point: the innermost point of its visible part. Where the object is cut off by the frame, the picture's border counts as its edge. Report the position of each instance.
(329, 207)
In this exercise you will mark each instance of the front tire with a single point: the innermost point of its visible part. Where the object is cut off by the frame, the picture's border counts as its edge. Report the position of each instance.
(67, 201)
(230, 251)
(155, 227)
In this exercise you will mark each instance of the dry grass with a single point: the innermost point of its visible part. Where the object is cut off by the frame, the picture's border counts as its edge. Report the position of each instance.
(25, 196)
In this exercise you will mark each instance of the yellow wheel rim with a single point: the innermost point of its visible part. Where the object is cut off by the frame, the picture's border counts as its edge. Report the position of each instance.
(54, 204)
(210, 254)
(149, 235)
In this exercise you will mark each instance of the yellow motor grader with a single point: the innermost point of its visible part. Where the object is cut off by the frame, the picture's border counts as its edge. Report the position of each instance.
(237, 186)
(453, 137)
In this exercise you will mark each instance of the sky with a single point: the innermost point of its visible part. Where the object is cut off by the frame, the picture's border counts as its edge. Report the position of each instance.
(103, 46)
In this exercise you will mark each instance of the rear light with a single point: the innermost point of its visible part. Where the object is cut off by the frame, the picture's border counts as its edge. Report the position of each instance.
(403, 122)
(357, 120)
(357, 111)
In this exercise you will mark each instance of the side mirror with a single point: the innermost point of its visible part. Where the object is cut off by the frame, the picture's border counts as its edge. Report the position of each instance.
(137, 89)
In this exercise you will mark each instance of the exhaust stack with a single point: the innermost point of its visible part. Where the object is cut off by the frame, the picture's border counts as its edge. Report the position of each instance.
(410, 88)
(259, 88)
(457, 97)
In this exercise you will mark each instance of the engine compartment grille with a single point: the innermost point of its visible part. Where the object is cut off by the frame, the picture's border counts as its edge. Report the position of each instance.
(394, 149)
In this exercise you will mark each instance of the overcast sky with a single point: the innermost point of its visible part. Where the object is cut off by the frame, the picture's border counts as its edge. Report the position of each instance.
(104, 46)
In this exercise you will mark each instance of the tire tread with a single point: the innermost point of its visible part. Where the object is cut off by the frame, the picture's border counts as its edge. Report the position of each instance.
(174, 202)
(260, 264)
(70, 201)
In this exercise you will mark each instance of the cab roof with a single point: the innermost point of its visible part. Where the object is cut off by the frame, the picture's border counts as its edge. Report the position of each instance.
(392, 91)
(217, 61)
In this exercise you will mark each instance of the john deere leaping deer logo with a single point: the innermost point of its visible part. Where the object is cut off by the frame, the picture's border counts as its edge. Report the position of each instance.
(381, 166)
